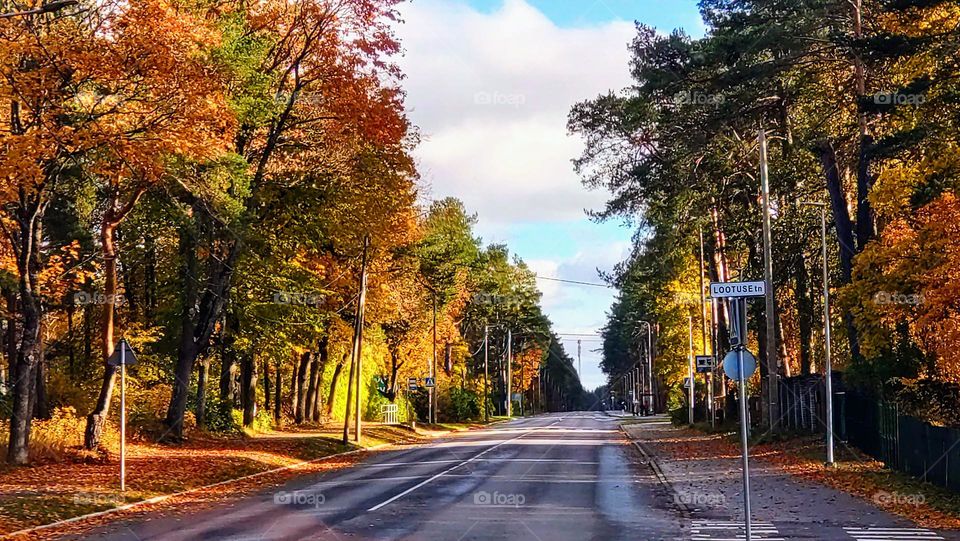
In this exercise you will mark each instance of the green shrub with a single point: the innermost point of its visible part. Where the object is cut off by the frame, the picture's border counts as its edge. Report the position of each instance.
(464, 405)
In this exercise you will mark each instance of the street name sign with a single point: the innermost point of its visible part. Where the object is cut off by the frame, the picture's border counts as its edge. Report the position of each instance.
(722, 290)
(412, 384)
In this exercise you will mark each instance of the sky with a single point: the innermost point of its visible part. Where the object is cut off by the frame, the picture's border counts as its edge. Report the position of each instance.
(489, 85)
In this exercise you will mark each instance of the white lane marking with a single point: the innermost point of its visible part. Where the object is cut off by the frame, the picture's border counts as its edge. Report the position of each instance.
(891, 534)
(428, 462)
(448, 470)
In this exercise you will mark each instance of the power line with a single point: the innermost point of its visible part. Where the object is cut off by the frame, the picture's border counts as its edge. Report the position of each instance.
(577, 282)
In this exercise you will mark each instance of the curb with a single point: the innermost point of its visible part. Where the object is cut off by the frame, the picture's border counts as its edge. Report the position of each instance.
(658, 472)
(164, 497)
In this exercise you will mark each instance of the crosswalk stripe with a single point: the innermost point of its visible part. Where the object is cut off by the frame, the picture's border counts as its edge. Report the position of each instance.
(727, 530)
(892, 534)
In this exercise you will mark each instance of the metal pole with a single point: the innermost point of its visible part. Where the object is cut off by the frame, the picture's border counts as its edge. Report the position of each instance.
(650, 403)
(770, 359)
(743, 441)
(123, 418)
(509, 373)
(826, 336)
(486, 375)
(691, 372)
(432, 409)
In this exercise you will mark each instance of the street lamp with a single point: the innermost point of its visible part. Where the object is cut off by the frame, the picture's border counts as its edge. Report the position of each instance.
(828, 368)
(49, 7)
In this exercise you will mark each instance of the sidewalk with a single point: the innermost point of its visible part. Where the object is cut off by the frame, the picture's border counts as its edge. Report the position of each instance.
(705, 476)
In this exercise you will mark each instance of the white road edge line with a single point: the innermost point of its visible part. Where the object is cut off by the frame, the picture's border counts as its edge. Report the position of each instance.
(450, 469)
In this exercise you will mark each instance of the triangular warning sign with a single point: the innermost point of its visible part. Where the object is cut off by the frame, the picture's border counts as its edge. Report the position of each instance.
(122, 354)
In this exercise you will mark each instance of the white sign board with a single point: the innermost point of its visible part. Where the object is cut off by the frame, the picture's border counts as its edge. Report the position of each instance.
(705, 363)
(720, 290)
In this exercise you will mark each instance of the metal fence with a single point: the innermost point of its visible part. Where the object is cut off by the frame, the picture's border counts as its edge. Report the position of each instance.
(876, 427)
(929, 453)
(388, 413)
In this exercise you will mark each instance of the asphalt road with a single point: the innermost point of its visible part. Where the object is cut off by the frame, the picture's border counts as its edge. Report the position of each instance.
(549, 478)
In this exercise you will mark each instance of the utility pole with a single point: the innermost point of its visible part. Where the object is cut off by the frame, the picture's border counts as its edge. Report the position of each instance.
(769, 391)
(828, 368)
(690, 370)
(355, 352)
(432, 409)
(486, 374)
(579, 374)
(509, 373)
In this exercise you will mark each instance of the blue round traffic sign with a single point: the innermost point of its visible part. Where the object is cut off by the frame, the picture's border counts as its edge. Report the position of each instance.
(731, 364)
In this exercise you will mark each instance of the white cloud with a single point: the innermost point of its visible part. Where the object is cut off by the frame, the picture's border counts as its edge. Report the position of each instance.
(491, 93)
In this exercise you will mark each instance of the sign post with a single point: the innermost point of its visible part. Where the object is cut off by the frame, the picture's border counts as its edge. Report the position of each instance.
(122, 356)
(738, 366)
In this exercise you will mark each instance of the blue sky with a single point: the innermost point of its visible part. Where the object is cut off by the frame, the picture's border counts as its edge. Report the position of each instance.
(489, 84)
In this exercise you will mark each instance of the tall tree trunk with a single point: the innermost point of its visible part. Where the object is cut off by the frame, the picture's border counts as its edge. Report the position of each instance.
(265, 367)
(187, 349)
(334, 380)
(323, 352)
(202, 392)
(277, 380)
(29, 236)
(248, 387)
(228, 359)
(98, 417)
(311, 389)
(305, 361)
(844, 227)
(294, 399)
